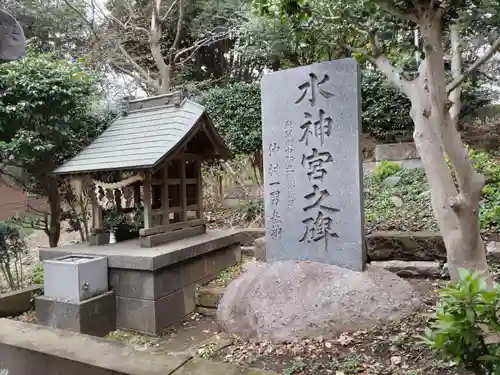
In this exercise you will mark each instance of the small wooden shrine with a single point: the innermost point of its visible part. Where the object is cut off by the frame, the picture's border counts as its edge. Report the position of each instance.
(151, 154)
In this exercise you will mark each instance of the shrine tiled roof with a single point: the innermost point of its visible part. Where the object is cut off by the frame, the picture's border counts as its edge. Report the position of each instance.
(140, 139)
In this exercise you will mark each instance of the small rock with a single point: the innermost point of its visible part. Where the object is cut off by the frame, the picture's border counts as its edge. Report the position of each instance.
(411, 269)
(328, 345)
(344, 339)
(425, 194)
(398, 202)
(391, 181)
(396, 360)
(296, 350)
(493, 249)
(206, 311)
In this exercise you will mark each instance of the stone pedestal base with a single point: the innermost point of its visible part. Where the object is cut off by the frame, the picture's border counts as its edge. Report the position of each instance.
(294, 300)
(150, 301)
(95, 316)
(155, 286)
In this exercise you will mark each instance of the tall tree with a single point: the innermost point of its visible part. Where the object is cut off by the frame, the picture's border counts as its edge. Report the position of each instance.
(148, 40)
(381, 31)
(45, 119)
(51, 25)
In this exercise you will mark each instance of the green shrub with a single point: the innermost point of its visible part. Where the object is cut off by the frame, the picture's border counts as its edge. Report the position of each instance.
(489, 208)
(235, 110)
(12, 249)
(385, 169)
(252, 209)
(466, 320)
(37, 275)
(413, 189)
(386, 111)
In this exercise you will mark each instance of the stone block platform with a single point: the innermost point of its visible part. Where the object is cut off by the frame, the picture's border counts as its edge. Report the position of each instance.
(155, 287)
(95, 316)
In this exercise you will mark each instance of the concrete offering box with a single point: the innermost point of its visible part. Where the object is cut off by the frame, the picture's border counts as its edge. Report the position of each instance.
(75, 278)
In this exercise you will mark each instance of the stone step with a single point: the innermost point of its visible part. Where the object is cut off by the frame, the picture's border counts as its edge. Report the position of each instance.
(209, 296)
(412, 268)
(249, 251)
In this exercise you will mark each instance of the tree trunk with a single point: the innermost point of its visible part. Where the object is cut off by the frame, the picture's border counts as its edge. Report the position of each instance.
(84, 210)
(455, 203)
(258, 164)
(54, 228)
(166, 81)
(460, 230)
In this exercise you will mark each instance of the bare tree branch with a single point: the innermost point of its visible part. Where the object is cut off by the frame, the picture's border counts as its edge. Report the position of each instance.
(165, 16)
(391, 8)
(178, 32)
(213, 37)
(151, 83)
(361, 51)
(82, 17)
(495, 47)
(376, 49)
(131, 60)
(392, 74)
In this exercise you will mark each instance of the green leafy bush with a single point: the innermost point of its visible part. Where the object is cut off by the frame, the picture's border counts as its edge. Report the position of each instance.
(235, 109)
(413, 189)
(489, 209)
(252, 209)
(385, 169)
(416, 213)
(12, 249)
(37, 275)
(386, 111)
(466, 324)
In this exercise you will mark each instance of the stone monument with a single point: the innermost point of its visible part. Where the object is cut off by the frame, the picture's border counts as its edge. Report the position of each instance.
(312, 159)
(315, 281)
(12, 39)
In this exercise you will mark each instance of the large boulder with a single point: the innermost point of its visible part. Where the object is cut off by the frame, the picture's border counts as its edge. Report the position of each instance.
(292, 300)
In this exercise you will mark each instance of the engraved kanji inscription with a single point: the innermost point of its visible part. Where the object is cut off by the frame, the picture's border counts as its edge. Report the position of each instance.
(312, 86)
(291, 195)
(273, 169)
(276, 225)
(315, 163)
(319, 129)
(273, 147)
(318, 228)
(317, 197)
(275, 197)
